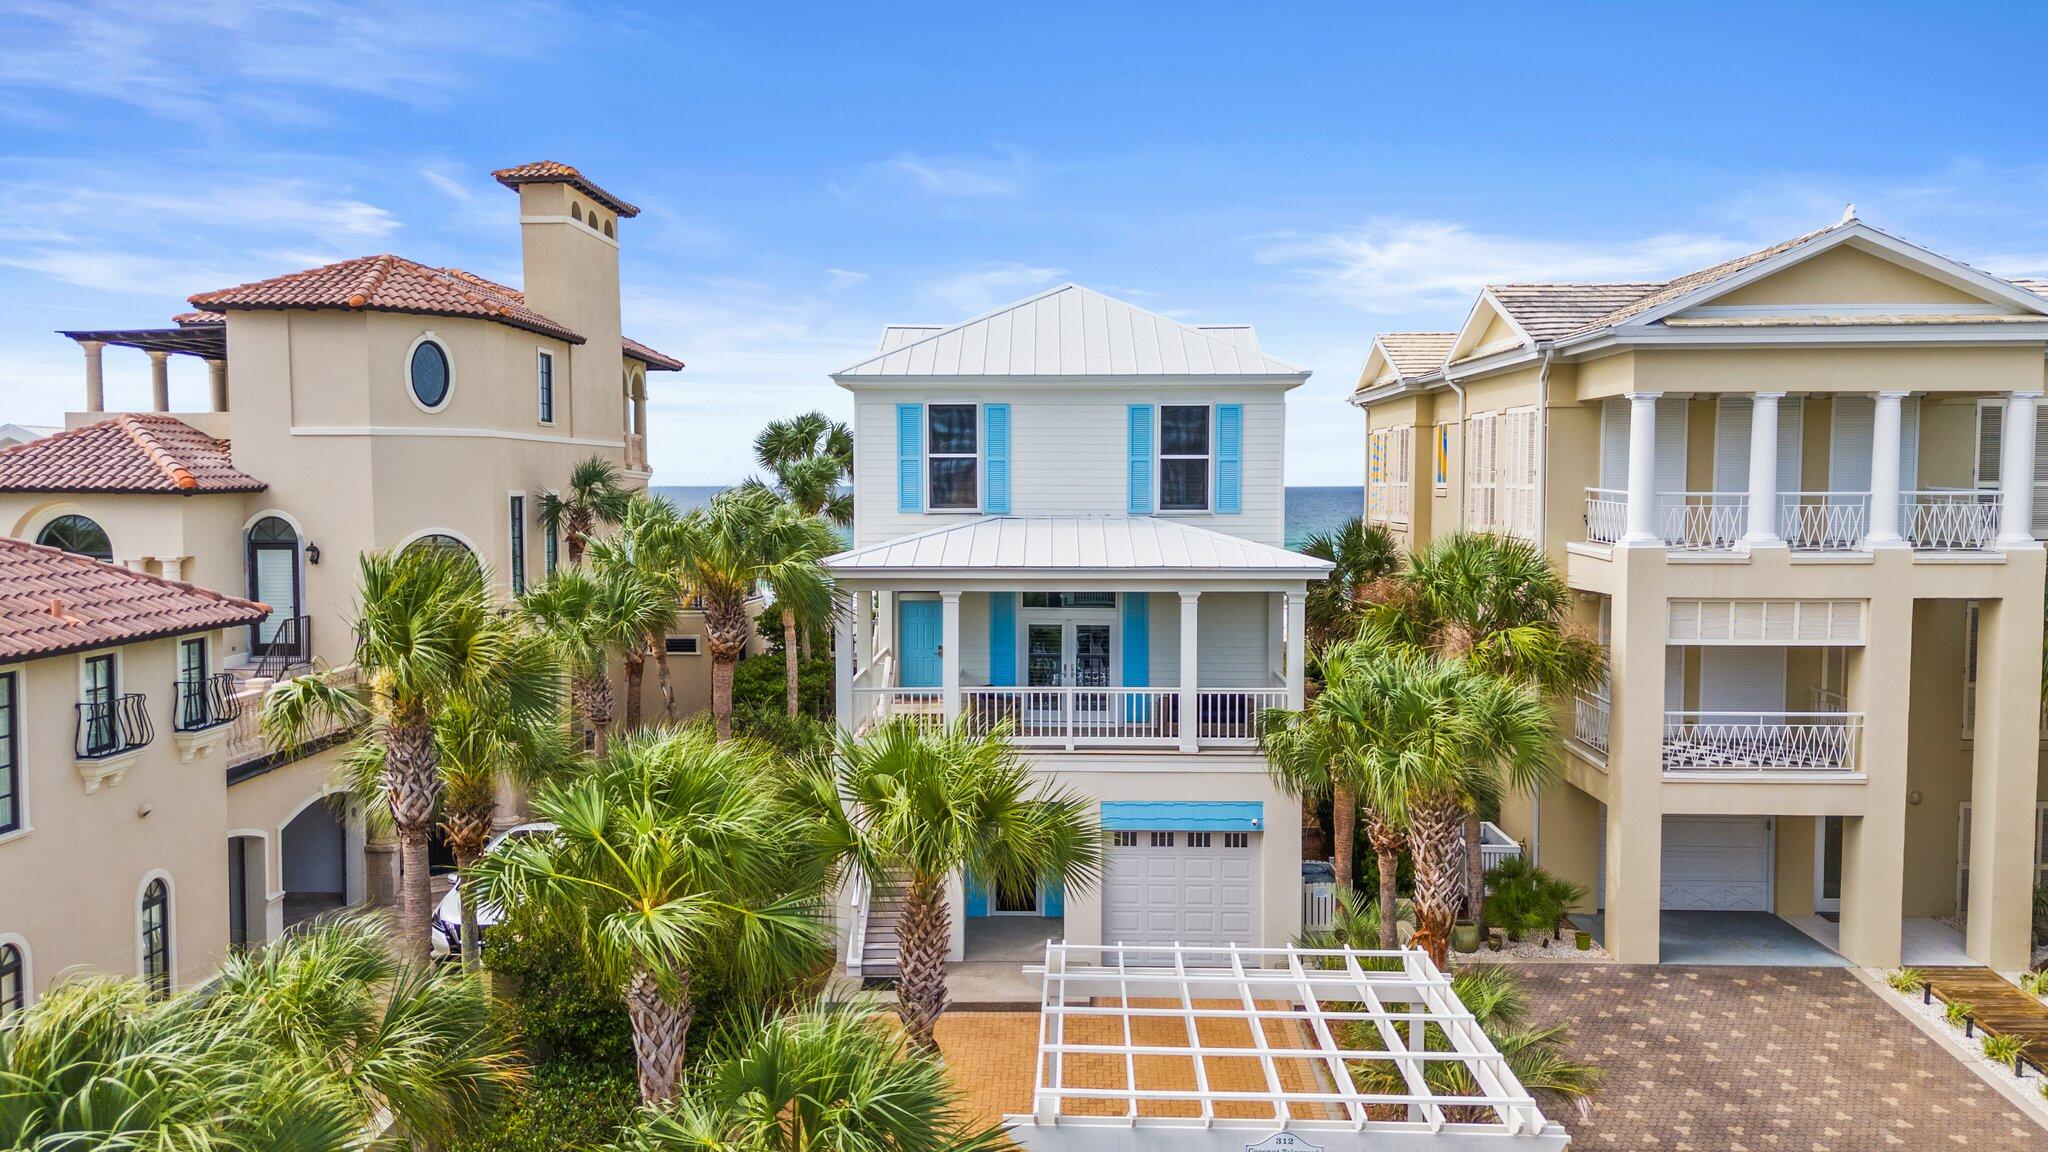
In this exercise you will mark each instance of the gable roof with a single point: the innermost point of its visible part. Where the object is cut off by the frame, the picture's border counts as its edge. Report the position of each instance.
(1073, 331)
(52, 602)
(1094, 544)
(135, 452)
(388, 283)
(1548, 311)
(1415, 354)
(555, 172)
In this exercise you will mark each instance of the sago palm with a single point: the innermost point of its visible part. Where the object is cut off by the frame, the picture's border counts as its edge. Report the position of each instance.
(810, 455)
(647, 549)
(586, 614)
(673, 852)
(830, 1078)
(1498, 604)
(1363, 555)
(914, 805)
(593, 498)
(428, 635)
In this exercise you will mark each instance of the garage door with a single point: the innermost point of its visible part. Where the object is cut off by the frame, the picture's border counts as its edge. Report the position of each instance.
(1194, 888)
(1717, 863)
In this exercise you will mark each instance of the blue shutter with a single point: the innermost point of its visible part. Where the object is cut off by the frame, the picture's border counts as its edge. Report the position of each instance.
(1052, 899)
(977, 897)
(995, 439)
(1141, 459)
(1137, 640)
(909, 457)
(1002, 639)
(1229, 458)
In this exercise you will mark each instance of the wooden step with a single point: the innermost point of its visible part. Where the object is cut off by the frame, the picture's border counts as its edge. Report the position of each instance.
(1996, 1006)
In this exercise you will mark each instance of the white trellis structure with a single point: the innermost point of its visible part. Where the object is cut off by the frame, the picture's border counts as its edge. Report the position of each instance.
(1308, 1102)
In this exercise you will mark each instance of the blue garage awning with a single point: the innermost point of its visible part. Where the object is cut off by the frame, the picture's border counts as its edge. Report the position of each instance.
(1183, 815)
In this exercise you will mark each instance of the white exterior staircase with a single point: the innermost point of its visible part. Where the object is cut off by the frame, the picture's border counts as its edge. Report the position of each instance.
(878, 948)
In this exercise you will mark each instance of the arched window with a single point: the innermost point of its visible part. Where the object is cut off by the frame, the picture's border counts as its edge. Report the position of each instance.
(442, 541)
(156, 937)
(13, 980)
(576, 213)
(428, 374)
(274, 579)
(77, 534)
(608, 228)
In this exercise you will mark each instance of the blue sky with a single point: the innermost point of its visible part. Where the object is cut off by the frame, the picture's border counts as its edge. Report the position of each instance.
(810, 172)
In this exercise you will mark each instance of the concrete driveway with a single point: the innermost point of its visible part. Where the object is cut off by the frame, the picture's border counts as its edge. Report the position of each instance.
(1731, 938)
(1746, 1059)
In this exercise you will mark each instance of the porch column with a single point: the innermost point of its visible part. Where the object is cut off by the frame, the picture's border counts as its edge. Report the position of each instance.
(1874, 845)
(95, 377)
(1297, 649)
(1884, 472)
(864, 646)
(842, 670)
(2005, 765)
(217, 378)
(949, 653)
(1642, 470)
(1190, 716)
(885, 625)
(1763, 471)
(159, 381)
(2016, 472)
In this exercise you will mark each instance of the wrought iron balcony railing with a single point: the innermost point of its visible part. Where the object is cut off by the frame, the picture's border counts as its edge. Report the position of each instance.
(111, 727)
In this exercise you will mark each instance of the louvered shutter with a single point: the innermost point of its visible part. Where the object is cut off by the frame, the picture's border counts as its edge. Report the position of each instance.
(1909, 444)
(1791, 450)
(995, 421)
(1614, 444)
(1140, 451)
(1671, 444)
(1229, 459)
(1990, 443)
(1742, 679)
(1002, 639)
(909, 457)
(1732, 418)
(2040, 525)
(1849, 444)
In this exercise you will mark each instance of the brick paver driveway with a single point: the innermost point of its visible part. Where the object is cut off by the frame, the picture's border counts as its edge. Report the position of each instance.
(1754, 1059)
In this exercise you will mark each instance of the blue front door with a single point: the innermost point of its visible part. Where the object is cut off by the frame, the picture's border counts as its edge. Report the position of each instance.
(917, 643)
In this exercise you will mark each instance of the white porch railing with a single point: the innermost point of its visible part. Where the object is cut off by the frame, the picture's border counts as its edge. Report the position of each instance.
(1823, 521)
(1950, 519)
(246, 742)
(858, 894)
(1073, 717)
(1589, 721)
(1235, 715)
(1702, 521)
(874, 705)
(1496, 846)
(1606, 515)
(1762, 741)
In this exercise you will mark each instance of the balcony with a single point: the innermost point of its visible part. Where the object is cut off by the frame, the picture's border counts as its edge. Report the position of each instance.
(111, 733)
(249, 752)
(1742, 742)
(1935, 520)
(1094, 717)
(1590, 717)
(204, 709)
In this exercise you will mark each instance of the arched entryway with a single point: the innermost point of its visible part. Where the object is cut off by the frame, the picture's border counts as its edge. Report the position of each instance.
(274, 578)
(315, 860)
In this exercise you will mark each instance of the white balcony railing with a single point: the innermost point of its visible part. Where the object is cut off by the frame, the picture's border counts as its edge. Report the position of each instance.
(1606, 515)
(1949, 519)
(1762, 741)
(1496, 846)
(1823, 521)
(245, 741)
(874, 705)
(1235, 715)
(1066, 716)
(1589, 721)
(1702, 521)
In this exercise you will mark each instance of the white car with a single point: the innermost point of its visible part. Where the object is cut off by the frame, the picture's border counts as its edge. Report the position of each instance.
(447, 927)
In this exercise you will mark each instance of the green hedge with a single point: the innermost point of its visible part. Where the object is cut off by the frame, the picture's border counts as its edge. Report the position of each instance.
(759, 680)
(557, 1008)
(566, 1106)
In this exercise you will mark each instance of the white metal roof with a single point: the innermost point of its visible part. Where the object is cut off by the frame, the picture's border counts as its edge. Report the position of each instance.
(1071, 331)
(1113, 1034)
(1104, 545)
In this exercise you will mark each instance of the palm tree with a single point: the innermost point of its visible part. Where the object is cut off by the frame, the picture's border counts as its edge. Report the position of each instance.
(594, 497)
(1326, 750)
(1363, 555)
(1498, 604)
(646, 548)
(919, 805)
(826, 1079)
(1356, 923)
(802, 590)
(304, 1046)
(587, 614)
(810, 455)
(671, 854)
(1442, 738)
(745, 538)
(428, 636)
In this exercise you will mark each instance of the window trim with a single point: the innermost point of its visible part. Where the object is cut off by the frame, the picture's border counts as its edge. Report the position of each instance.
(24, 959)
(979, 456)
(169, 982)
(515, 527)
(1160, 456)
(73, 512)
(448, 358)
(544, 385)
(1440, 448)
(696, 646)
(12, 686)
(194, 690)
(113, 662)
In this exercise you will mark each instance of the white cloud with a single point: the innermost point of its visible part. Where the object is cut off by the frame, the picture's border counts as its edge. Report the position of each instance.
(447, 185)
(1007, 178)
(1396, 264)
(840, 279)
(984, 286)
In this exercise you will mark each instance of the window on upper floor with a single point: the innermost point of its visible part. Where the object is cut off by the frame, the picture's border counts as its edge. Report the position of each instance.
(517, 517)
(953, 459)
(546, 372)
(682, 646)
(156, 937)
(427, 374)
(13, 981)
(79, 535)
(10, 753)
(194, 709)
(1184, 457)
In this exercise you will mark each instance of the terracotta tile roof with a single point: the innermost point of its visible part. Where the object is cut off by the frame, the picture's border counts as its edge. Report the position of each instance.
(1417, 353)
(199, 319)
(551, 172)
(52, 602)
(389, 283)
(137, 452)
(648, 356)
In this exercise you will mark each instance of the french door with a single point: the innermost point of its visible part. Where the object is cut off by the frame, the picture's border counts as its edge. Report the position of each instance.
(1067, 654)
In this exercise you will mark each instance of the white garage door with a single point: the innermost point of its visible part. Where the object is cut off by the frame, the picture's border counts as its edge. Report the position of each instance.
(1194, 888)
(1717, 863)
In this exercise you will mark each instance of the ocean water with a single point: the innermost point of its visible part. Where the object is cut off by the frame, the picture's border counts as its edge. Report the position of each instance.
(1309, 510)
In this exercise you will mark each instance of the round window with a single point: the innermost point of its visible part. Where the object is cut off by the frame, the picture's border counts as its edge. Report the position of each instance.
(429, 374)
(77, 534)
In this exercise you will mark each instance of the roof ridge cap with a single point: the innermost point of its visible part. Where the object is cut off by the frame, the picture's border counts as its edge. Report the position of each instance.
(160, 456)
(374, 276)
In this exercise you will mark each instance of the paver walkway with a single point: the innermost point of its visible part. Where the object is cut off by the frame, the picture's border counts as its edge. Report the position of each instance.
(1754, 1059)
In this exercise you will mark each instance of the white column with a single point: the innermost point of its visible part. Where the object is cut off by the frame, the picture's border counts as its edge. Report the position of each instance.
(1642, 470)
(1884, 472)
(95, 376)
(2016, 471)
(949, 653)
(864, 646)
(1190, 716)
(1763, 471)
(160, 381)
(885, 623)
(217, 374)
(1297, 649)
(173, 567)
(842, 671)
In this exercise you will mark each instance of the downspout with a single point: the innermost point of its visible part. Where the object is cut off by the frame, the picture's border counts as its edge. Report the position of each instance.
(1464, 447)
(1543, 542)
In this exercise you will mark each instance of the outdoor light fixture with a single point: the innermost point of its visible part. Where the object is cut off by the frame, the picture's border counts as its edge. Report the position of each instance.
(312, 553)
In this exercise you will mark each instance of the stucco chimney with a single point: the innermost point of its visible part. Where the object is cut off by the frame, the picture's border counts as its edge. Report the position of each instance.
(569, 229)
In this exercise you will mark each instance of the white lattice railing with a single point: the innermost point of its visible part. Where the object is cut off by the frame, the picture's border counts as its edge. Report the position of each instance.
(1762, 741)
(1589, 721)
(1823, 521)
(1829, 700)
(1702, 521)
(1606, 515)
(1949, 520)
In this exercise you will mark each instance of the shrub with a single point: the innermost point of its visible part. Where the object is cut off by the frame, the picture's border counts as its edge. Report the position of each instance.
(1958, 1013)
(1906, 980)
(557, 1007)
(2006, 1050)
(1522, 898)
(759, 680)
(2041, 915)
(770, 723)
(565, 1105)
(2034, 983)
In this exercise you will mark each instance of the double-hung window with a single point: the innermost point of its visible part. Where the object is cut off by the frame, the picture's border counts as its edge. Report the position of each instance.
(518, 525)
(547, 387)
(10, 753)
(1184, 457)
(953, 460)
